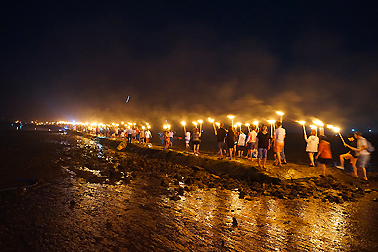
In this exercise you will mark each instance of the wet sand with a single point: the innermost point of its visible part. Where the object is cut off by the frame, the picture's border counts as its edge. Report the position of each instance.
(93, 198)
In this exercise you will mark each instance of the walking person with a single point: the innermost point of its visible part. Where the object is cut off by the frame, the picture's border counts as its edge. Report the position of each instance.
(187, 139)
(241, 143)
(230, 140)
(221, 134)
(324, 153)
(351, 155)
(251, 143)
(263, 145)
(196, 140)
(279, 138)
(362, 153)
(170, 134)
(312, 145)
(166, 139)
(148, 135)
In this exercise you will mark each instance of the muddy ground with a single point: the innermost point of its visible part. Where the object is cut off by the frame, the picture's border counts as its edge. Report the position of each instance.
(78, 195)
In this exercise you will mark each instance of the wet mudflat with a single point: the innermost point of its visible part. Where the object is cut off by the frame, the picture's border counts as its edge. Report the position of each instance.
(92, 198)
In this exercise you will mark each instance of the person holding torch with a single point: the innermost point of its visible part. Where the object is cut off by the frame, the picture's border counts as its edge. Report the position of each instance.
(221, 134)
(312, 145)
(362, 152)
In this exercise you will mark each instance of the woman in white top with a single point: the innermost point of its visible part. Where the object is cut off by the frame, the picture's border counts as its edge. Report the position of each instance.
(241, 143)
(187, 139)
(312, 145)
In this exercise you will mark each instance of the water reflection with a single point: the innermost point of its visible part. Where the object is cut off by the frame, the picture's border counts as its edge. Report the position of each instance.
(144, 218)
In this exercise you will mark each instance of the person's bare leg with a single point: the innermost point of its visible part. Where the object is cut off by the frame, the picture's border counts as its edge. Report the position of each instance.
(264, 161)
(323, 169)
(353, 162)
(342, 160)
(230, 150)
(311, 156)
(258, 162)
(278, 158)
(364, 173)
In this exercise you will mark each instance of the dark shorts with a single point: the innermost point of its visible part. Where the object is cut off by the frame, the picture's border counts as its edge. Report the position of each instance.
(262, 153)
(326, 161)
(230, 145)
(251, 146)
(196, 142)
(240, 148)
(221, 145)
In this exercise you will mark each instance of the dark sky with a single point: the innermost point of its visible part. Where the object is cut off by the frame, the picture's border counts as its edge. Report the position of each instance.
(185, 59)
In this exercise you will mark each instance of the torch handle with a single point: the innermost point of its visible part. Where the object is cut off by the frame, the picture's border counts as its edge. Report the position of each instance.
(342, 139)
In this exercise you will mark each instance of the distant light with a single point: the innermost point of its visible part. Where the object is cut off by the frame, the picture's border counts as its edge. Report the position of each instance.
(353, 130)
(369, 130)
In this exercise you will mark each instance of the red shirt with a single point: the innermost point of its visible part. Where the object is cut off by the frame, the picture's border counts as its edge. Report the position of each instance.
(325, 149)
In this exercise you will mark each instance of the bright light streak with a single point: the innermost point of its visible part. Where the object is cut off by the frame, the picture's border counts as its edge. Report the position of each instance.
(271, 121)
(239, 124)
(200, 121)
(231, 117)
(183, 123)
(318, 123)
(211, 120)
(247, 124)
(329, 126)
(313, 127)
(280, 113)
(256, 123)
(217, 123)
(195, 123)
(336, 129)
(301, 122)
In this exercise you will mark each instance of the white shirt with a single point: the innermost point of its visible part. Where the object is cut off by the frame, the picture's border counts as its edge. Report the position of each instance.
(187, 136)
(312, 144)
(280, 133)
(241, 141)
(148, 134)
(362, 142)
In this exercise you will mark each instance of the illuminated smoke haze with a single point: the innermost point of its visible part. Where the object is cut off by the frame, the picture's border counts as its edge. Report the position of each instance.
(85, 67)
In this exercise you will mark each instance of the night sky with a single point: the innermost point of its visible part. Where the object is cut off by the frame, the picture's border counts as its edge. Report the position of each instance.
(175, 60)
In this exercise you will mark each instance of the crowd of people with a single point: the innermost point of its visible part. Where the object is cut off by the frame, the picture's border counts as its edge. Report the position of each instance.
(253, 144)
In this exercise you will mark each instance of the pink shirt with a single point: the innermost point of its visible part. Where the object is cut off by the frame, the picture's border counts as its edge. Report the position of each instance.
(252, 137)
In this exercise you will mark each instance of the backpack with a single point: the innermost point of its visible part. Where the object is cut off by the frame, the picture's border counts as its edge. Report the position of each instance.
(370, 148)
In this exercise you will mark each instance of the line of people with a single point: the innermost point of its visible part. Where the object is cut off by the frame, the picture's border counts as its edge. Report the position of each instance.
(359, 155)
(254, 145)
